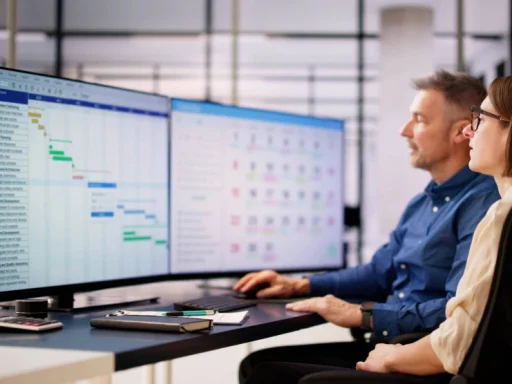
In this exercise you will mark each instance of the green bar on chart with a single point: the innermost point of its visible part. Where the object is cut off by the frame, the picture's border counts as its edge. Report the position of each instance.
(62, 158)
(137, 238)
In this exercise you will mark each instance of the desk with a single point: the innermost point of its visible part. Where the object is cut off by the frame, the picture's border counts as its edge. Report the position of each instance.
(132, 349)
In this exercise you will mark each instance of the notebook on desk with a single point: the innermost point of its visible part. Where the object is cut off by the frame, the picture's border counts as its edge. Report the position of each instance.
(153, 323)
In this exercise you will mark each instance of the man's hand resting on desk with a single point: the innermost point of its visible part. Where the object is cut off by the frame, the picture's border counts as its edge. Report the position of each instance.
(332, 309)
(278, 286)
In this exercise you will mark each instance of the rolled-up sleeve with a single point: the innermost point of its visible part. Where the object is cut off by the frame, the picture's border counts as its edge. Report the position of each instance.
(452, 339)
(391, 320)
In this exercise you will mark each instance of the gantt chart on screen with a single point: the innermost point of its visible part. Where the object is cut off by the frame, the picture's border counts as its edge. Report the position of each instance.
(83, 182)
(254, 189)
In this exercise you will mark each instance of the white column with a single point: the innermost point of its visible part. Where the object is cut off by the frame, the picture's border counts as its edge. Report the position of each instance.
(235, 26)
(406, 52)
(12, 30)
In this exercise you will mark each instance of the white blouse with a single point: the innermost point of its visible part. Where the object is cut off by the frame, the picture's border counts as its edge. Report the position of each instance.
(464, 311)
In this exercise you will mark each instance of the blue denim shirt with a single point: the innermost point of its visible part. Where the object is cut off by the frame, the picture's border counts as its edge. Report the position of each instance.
(417, 271)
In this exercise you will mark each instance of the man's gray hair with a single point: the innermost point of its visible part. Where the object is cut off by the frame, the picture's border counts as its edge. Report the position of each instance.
(460, 89)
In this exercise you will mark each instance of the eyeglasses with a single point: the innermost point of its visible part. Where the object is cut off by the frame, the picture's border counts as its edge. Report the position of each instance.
(475, 117)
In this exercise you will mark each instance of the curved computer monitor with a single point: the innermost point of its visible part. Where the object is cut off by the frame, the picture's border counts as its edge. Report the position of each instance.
(254, 189)
(83, 186)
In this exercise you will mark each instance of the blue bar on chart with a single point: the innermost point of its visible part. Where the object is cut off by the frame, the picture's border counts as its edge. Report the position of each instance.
(101, 185)
(102, 214)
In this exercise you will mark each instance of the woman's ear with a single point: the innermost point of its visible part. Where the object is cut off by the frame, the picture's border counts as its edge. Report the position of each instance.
(458, 128)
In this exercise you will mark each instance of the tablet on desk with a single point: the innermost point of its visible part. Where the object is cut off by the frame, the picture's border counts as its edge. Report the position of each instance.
(153, 323)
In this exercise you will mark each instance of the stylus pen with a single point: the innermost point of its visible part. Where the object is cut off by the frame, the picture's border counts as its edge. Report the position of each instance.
(203, 312)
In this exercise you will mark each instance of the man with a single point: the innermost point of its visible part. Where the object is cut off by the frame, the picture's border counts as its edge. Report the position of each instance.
(406, 285)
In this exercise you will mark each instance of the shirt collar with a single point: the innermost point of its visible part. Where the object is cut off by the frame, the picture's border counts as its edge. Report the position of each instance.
(451, 186)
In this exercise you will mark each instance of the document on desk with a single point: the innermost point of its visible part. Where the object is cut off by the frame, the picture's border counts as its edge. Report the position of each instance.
(225, 318)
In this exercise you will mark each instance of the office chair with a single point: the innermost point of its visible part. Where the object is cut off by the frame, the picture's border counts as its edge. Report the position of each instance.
(352, 216)
(490, 352)
(352, 219)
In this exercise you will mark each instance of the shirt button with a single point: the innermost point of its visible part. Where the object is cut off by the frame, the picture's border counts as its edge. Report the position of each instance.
(403, 266)
(401, 295)
(384, 333)
(447, 198)
(435, 209)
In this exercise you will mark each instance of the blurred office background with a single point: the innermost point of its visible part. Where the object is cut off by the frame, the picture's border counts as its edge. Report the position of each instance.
(348, 59)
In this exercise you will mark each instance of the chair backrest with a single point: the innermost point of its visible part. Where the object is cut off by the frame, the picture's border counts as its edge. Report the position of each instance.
(352, 216)
(491, 350)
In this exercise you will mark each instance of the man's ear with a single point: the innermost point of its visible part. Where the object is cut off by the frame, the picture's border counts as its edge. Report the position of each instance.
(457, 128)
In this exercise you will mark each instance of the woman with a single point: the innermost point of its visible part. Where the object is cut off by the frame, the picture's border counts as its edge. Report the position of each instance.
(445, 348)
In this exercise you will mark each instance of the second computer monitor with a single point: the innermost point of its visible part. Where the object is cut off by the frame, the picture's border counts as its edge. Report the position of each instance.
(254, 189)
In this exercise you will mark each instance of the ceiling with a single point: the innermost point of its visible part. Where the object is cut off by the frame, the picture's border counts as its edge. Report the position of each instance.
(292, 25)
(271, 16)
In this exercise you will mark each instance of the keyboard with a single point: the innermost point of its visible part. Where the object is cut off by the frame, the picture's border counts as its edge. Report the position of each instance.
(217, 303)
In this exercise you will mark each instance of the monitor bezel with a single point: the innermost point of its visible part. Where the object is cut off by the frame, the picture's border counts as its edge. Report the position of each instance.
(239, 273)
(101, 284)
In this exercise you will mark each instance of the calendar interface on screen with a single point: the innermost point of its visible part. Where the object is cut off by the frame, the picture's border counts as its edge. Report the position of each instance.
(254, 189)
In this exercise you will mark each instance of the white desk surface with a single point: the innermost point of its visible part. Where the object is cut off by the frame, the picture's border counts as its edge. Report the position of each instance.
(20, 365)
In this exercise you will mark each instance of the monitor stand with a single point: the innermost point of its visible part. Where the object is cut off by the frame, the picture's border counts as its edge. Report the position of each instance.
(207, 285)
(68, 302)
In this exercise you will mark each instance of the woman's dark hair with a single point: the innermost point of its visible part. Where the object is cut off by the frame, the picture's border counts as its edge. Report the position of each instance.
(500, 96)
